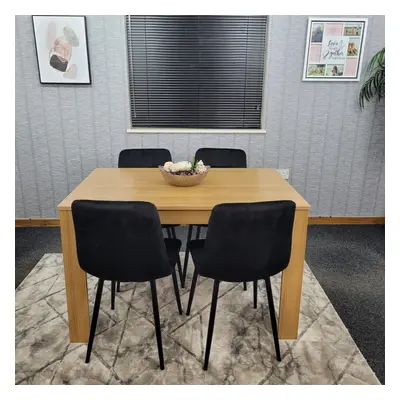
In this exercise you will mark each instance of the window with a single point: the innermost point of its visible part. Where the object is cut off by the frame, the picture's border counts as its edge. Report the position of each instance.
(202, 72)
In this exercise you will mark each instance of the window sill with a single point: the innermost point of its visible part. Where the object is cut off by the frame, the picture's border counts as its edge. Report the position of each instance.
(184, 130)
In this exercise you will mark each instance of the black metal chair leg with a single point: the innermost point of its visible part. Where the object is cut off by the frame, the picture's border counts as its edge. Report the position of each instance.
(244, 286)
(211, 323)
(192, 289)
(118, 286)
(273, 318)
(176, 289)
(168, 232)
(255, 293)
(93, 325)
(198, 232)
(157, 322)
(112, 295)
(185, 263)
(179, 258)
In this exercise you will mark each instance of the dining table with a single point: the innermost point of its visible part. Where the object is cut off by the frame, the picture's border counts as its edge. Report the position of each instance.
(184, 206)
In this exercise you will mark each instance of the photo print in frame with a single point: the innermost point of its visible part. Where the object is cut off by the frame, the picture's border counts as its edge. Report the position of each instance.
(62, 49)
(334, 49)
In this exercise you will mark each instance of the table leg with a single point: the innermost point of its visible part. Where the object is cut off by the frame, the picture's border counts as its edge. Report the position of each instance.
(292, 278)
(75, 283)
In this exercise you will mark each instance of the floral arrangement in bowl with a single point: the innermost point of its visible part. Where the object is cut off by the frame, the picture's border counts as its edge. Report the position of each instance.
(185, 167)
(184, 173)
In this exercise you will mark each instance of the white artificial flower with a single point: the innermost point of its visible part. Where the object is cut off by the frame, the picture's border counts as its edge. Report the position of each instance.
(200, 167)
(167, 166)
(174, 167)
(184, 166)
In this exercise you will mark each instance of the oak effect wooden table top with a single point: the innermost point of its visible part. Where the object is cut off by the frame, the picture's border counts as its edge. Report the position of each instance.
(221, 185)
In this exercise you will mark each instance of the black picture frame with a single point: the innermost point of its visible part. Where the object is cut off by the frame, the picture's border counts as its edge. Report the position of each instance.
(89, 82)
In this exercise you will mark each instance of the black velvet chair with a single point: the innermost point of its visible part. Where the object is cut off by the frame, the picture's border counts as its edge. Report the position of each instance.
(123, 241)
(245, 242)
(216, 158)
(148, 158)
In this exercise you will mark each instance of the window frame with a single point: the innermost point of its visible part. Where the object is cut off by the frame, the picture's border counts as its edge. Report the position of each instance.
(143, 130)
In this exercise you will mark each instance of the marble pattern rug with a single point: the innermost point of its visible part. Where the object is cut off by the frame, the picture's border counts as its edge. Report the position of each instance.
(125, 350)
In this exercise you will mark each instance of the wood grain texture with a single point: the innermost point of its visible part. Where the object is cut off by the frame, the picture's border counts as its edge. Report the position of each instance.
(32, 222)
(202, 217)
(189, 205)
(75, 283)
(222, 185)
(292, 278)
(346, 220)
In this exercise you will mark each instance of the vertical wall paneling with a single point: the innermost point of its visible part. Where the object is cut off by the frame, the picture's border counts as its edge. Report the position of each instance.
(335, 152)
(256, 150)
(19, 201)
(302, 138)
(331, 148)
(292, 71)
(379, 208)
(116, 83)
(181, 144)
(375, 159)
(196, 142)
(101, 111)
(23, 147)
(276, 86)
(317, 143)
(346, 151)
(69, 123)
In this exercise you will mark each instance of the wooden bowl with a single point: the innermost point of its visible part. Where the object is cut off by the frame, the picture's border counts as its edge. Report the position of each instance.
(183, 180)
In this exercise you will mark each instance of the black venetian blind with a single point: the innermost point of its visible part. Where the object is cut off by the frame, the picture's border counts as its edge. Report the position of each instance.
(196, 71)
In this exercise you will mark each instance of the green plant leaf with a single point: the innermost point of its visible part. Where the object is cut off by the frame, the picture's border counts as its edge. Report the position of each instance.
(375, 82)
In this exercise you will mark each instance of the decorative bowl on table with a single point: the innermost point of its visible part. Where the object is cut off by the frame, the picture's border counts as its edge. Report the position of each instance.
(184, 173)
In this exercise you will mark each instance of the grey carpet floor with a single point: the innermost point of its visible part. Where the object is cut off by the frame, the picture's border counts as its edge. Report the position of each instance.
(348, 261)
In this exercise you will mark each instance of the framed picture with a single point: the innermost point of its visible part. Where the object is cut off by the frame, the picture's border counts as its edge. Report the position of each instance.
(61, 49)
(334, 49)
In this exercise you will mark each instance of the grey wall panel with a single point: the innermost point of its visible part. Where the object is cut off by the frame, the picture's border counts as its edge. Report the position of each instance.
(101, 101)
(195, 142)
(134, 141)
(346, 152)
(55, 141)
(226, 140)
(210, 140)
(23, 145)
(334, 151)
(330, 157)
(375, 158)
(19, 201)
(70, 128)
(181, 145)
(293, 68)
(379, 208)
(150, 140)
(317, 141)
(86, 122)
(278, 45)
(301, 139)
(256, 151)
(116, 83)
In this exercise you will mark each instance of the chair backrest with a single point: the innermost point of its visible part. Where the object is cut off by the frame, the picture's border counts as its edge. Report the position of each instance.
(143, 158)
(121, 241)
(222, 158)
(248, 241)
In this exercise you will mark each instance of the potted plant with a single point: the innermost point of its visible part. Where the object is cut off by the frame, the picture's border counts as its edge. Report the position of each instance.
(374, 86)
